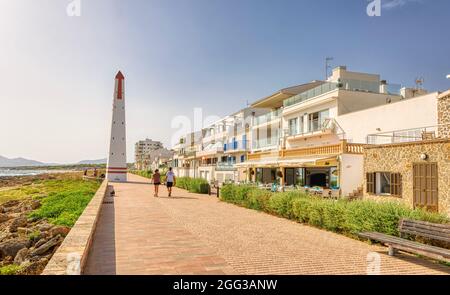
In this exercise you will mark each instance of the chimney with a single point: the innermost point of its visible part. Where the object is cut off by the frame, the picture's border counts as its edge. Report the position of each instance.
(383, 87)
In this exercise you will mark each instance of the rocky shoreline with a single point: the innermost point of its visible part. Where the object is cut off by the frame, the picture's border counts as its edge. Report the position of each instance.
(26, 243)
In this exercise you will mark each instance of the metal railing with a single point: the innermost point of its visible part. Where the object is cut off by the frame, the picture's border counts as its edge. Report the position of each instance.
(406, 135)
(268, 117)
(344, 84)
(266, 143)
(319, 90)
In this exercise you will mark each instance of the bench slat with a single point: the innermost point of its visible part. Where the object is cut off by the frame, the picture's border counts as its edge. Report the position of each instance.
(437, 225)
(427, 235)
(395, 241)
(426, 227)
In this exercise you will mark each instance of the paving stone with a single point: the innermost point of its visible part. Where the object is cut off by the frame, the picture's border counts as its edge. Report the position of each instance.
(197, 234)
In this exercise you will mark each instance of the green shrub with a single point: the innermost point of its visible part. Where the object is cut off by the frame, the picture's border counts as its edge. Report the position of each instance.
(193, 185)
(11, 269)
(64, 206)
(281, 203)
(259, 199)
(347, 217)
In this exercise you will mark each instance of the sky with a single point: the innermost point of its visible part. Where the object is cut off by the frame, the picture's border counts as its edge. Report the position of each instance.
(57, 71)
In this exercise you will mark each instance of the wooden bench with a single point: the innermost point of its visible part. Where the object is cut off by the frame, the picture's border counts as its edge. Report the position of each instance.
(432, 231)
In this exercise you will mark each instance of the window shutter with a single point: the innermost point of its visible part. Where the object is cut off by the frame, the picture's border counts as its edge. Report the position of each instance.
(370, 183)
(396, 184)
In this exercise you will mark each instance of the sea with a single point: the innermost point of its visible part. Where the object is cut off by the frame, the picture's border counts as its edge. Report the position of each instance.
(18, 172)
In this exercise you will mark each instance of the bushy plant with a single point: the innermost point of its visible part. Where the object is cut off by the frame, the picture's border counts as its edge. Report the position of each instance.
(347, 217)
(65, 205)
(11, 269)
(193, 185)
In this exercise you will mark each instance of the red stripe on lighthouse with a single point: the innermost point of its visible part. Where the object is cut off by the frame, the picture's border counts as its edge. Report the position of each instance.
(120, 79)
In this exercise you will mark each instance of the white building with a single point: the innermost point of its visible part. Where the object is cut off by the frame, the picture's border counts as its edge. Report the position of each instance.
(142, 149)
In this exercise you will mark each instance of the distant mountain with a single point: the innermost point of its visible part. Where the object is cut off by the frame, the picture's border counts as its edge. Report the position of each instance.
(92, 162)
(19, 162)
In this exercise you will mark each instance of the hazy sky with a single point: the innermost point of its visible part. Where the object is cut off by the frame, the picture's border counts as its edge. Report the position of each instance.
(57, 72)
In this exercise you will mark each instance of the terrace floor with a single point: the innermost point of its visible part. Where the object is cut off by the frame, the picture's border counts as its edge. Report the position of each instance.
(197, 234)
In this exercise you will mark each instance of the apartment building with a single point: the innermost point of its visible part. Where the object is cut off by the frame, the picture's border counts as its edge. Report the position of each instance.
(142, 149)
(313, 134)
(316, 137)
(214, 152)
(412, 166)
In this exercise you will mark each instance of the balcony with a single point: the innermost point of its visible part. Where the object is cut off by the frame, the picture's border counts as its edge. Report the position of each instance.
(317, 127)
(344, 84)
(269, 117)
(406, 135)
(236, 146)
(319, 90)
(266, 143)
(324, 150)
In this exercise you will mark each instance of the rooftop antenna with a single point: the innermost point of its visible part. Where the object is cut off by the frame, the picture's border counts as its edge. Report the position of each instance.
(327, 66)
(419, 83)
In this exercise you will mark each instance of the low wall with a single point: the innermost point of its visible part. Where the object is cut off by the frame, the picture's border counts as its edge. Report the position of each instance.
(71, 256)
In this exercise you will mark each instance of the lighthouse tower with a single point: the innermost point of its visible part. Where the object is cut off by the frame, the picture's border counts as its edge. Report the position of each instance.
(117, 157)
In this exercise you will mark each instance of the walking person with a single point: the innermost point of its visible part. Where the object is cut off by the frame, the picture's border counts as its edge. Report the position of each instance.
(170, 180)
(156, 182)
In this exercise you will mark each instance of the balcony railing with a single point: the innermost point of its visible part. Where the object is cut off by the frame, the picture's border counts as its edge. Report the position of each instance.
(325, 150)
(319, 90)
(266, 143)
(344, 84)
(268, 117)
(317, 125)
(238, 145)
(406, 135)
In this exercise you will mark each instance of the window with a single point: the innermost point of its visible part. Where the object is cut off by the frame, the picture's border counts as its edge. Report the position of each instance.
(384, 183)
(316, 120)
(293, 126)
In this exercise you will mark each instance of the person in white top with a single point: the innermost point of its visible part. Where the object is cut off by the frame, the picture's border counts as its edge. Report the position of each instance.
(170, 180)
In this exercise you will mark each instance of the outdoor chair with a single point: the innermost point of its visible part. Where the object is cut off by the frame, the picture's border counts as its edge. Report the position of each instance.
(326, 193)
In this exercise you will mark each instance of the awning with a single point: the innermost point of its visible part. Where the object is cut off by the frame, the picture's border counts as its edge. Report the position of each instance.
(280, 162)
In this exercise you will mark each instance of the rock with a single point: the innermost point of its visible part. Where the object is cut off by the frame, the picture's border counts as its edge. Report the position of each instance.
(11, 203)
(20, 256)
(35, 204)
(40, 243)
(59, 230)
(11, 247)
(44, 226)
(4, 217)
(24, 231)
(47, 246)
(18, 222)
(33, 268)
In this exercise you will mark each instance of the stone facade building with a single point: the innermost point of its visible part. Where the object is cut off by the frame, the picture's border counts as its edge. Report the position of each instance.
(444, 114)
(416, 173)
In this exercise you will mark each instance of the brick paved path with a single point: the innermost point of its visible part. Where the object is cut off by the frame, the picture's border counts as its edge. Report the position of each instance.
(197, 234)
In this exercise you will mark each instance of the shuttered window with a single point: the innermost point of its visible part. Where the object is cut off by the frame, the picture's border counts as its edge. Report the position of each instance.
(370, 177)
(396, 184)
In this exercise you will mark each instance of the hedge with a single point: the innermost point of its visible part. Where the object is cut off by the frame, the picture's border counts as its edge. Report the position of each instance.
(193, 185)
(345, 217)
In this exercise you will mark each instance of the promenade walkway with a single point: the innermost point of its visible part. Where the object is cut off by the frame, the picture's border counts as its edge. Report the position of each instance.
(197, 234)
